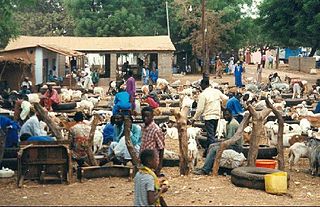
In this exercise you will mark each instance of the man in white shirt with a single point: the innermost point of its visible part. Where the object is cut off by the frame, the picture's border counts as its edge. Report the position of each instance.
(209, 106)
(26, 82)
(32, 127)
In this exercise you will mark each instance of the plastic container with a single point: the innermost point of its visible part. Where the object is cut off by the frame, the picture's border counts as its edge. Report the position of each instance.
(6, 173)
(266, 163)
(276, 183)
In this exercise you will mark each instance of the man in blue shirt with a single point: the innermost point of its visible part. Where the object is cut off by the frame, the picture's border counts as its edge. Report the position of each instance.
(154, 75)
(234, 105)
(27, 137)
(121, 101)
(11, 129)
(118, 148)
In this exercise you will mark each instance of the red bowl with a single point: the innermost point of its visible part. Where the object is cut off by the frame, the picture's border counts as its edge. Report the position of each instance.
(266, 163)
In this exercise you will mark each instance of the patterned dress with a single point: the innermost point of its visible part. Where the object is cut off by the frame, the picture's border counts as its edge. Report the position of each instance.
(80, 139)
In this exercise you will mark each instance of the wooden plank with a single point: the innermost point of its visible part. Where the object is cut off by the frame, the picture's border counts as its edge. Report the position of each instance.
(56, 131)
(45, 162)
(104, 171)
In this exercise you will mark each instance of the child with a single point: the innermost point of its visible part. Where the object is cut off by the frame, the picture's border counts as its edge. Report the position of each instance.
(147, 189)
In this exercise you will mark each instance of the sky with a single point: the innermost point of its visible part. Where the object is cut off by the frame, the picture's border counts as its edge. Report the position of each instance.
(251, 11)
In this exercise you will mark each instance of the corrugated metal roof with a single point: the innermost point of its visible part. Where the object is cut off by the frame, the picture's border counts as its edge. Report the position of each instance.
(138, 43)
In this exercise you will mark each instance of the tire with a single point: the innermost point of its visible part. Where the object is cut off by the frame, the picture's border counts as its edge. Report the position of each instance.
(286, 95)
(175, 104)
(162, 104)
(251, 177)
(161, 119)
(66, 106)
(264, 152)
(293, 102)
(170, 162)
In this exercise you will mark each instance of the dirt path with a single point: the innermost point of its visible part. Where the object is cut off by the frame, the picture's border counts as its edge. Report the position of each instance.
(188, 190)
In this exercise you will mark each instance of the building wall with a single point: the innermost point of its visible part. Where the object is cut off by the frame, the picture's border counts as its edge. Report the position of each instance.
(165, 65)
(61, 60)
(113, 65)
(303, 64)
(38, 66)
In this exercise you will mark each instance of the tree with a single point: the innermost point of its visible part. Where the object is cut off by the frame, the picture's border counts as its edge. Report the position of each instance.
(295, 23)
(107, 18)
(8, 27)
(46, 18)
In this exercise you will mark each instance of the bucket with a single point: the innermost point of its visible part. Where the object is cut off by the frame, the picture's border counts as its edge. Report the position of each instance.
(276, 183)
(266, 163)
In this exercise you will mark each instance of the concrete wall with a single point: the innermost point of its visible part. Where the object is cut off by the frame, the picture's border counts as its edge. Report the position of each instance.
(38, 66)
(61, 60)
(303, 64)
(113, 65)
(165, 65)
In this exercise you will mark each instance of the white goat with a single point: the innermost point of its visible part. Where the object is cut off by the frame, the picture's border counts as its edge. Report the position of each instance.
(193, 153)
(296, 151)
(98, 90)
(98, 139)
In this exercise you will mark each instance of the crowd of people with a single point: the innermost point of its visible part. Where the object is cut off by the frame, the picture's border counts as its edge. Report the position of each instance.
(148, 139)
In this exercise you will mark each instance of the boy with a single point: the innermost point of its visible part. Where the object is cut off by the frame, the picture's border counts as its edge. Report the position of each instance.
(147, 189)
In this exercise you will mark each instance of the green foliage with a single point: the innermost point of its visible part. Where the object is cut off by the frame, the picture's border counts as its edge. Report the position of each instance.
(295, 23)
(118, 18)
(45, 18)
(8, 27)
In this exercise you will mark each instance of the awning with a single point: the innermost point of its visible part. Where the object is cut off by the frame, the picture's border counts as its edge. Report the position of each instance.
(62, 51)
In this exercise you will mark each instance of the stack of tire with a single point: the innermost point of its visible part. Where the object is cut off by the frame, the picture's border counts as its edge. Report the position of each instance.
(251, 177)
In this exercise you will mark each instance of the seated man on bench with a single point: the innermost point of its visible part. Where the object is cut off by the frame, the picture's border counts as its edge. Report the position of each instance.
(122, 102)
(118, 152)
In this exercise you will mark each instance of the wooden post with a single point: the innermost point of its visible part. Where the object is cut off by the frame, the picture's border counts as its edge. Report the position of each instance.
(280, 135)
(3, 69)
(92, 160)
(2, 144)
(51, 124)
(181, 118)
(237, 136)
(132, 152)
(257, 133)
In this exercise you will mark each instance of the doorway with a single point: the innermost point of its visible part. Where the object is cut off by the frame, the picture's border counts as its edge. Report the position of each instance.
(107, 66)
(45, 68)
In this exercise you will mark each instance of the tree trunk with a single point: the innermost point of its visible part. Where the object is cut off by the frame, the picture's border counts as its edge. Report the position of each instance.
(277, 58)
(51, 124)
(237, 136)
(313, 51)
(256, 134)
(281, 164)
(181, 118)
(92, 160)
(132, 152)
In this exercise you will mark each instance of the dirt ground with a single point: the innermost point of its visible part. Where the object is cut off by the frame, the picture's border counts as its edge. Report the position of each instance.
(184, 190)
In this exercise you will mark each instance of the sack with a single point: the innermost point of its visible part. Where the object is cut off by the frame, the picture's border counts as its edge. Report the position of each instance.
(231, 159)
